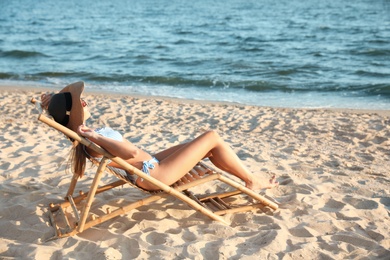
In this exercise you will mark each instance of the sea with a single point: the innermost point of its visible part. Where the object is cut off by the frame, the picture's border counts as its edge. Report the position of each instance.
(276, 53)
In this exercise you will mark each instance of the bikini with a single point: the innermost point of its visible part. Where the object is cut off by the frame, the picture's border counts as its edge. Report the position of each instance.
(111, 133)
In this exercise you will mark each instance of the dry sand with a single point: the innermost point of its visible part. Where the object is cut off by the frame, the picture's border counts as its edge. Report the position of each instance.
(333, 168)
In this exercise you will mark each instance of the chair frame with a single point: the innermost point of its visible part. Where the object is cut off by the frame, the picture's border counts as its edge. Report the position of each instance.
(66, 224)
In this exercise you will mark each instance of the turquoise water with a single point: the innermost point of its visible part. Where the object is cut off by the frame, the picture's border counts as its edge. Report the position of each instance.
(269, 53)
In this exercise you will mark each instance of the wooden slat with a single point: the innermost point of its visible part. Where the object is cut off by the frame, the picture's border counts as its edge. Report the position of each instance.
(220, 195)
(54, 224)
(216, 204)
(74, 208)
(193, 197)
(64, 219)
(219, 200)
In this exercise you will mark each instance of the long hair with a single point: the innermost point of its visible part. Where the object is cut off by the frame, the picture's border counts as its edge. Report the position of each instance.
(78, 159)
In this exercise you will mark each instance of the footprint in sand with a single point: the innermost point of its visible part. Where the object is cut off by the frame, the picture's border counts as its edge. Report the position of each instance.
(285, 180)
(361, 203)
(386, 201)
(302, 230)
(354, 240)
(155, 238)
(333, 206)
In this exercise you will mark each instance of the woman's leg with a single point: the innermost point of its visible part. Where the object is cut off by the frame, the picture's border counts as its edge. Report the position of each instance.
(168, 152)
(177, 161)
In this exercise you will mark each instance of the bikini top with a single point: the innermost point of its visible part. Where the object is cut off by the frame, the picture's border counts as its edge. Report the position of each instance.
(110, 133)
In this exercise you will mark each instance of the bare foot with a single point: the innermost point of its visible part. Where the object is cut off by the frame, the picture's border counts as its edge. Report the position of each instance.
(258, 184)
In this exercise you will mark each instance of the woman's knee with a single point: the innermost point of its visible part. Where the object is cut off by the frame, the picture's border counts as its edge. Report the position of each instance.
(212, 135)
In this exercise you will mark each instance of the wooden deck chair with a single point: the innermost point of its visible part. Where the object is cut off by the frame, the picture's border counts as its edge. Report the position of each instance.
(73, 215)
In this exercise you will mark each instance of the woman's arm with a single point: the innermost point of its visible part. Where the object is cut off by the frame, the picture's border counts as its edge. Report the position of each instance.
(122, 149)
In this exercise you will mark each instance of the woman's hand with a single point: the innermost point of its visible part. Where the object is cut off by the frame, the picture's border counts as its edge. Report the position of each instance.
(86, 132)
(45, 100)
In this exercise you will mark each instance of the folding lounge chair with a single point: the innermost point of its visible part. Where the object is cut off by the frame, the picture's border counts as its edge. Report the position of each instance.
(73, 215)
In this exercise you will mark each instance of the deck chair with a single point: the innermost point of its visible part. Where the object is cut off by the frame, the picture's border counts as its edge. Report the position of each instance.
(74, 214)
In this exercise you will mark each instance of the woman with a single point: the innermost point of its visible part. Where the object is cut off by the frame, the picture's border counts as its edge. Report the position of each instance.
(168, 166)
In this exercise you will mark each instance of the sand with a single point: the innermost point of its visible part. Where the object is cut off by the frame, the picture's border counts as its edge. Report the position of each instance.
(333, 168)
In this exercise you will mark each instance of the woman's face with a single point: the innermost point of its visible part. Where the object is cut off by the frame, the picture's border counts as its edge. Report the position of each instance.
(87, 114)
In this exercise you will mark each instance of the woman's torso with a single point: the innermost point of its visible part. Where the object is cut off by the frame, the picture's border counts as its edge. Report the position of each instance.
(113, 134)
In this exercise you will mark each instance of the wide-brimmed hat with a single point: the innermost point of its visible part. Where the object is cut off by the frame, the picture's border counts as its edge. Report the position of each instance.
(66, 108)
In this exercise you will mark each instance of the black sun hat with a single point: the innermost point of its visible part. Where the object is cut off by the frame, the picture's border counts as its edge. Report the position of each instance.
(66, 108)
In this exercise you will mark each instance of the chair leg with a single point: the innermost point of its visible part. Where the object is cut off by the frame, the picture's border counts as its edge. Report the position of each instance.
(72, 185)
(91, 194)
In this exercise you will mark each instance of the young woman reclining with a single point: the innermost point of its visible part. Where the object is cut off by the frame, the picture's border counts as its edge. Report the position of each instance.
(69, 109)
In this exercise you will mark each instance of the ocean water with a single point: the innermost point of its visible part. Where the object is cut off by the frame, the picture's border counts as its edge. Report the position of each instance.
(285, 53)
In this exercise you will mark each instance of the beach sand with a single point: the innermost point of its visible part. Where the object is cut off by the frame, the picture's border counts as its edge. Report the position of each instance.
(333, 167)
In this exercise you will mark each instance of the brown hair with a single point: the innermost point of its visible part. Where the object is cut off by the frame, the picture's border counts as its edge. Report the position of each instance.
(78, 159)
(66, 109)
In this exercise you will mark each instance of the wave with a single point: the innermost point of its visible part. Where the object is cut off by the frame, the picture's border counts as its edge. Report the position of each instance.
(382, 89)
(6, 75)
(372, 52)
(21, 54)
(371, 74)
(377, 89)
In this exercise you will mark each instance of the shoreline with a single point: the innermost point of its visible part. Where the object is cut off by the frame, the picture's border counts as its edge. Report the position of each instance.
(9, 87)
